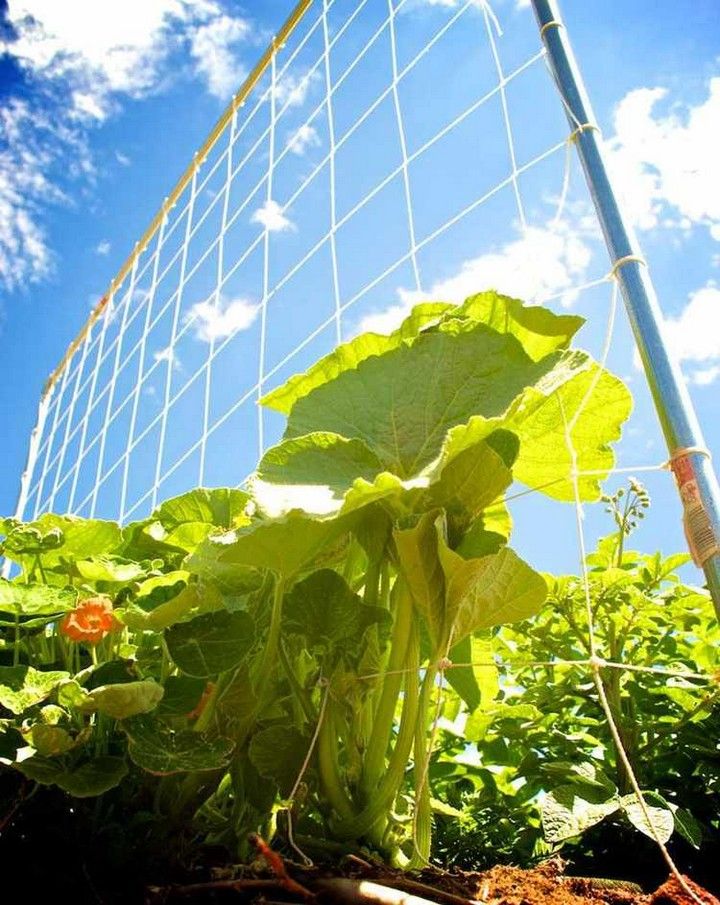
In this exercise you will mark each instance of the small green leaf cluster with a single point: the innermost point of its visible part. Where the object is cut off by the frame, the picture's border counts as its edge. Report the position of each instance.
(285, 647)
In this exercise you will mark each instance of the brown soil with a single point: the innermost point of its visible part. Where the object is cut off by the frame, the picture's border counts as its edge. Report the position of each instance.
(357, 882)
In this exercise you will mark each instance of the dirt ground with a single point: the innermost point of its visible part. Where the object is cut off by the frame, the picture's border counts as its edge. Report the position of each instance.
(357, 882)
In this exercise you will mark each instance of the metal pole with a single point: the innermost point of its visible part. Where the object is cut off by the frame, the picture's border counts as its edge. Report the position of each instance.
(33, 448)
(689, 457)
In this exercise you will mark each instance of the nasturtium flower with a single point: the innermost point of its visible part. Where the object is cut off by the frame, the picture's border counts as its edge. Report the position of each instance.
(90, 621)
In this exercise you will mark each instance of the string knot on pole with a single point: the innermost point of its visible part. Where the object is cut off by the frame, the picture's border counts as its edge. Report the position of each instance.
(626, 259)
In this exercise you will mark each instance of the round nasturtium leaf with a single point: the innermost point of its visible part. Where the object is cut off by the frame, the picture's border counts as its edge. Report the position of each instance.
(125, 699)
(212, 643)
(157, 748)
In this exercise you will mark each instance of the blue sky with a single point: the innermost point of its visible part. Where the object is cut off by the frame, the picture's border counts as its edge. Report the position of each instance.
(102, 106)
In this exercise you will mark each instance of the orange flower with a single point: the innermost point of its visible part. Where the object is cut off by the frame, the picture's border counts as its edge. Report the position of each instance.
(90, 621)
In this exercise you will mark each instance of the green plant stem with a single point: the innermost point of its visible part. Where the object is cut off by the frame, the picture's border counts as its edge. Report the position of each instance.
(268, 662)
(391, 779)
(328, 764)
(16, 645)
(298, 691)
(372, 582)
(391, 682)
(422, 824)
(39, 566)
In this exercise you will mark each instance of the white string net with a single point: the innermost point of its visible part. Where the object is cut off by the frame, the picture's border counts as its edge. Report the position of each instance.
(392, 151)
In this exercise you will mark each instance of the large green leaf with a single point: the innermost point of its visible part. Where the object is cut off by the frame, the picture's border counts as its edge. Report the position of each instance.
(488, 591)
(420, 567)
(182, 695)
(157, 748)
(111, 569)
(348, 355)
(189, 535)
(35, 599)
(278, 753)
(577, 406)
(23, 686)
(653, 821)
(311, 473)
(50, 741)
(160, 588)
(402, 404)
(192, 600)
(474, 674)
(211, 644)
(538, 329)
(126, 699)
(565, 814)
(487, 534)
(87, 780)
(324, 610)
(473, 472)
(222, 507)
(208, 563)
(81, 538)
(323, 473)
(285, 546)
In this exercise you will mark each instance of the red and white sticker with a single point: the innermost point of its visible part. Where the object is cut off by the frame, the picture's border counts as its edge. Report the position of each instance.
(699, 531)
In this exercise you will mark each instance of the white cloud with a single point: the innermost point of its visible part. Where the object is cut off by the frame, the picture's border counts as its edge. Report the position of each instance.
(272, 217)
(694, 336)
(706, 376)
(305, 137)
(212, 321)
(99, 48)
(105, 49)
(122, 159)
(293, 89)
(544, 262)
(213, 45)
(103, 247)
(666, 164)
(169, 355)
(81, 58)
(32, 144)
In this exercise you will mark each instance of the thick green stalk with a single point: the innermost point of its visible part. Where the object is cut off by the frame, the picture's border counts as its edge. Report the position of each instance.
(327, 751)
(270, 654)
(300, 696)
(372, 582)
(374, 763)
(390, 783)
(422, 822)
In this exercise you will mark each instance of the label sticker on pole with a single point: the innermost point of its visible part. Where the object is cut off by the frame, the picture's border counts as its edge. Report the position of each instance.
(699, 532)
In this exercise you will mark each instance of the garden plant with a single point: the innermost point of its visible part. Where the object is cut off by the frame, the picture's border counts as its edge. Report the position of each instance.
(347, 652)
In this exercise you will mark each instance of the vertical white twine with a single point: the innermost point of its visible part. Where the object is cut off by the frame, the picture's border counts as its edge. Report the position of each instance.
(125, 304)
(173, 335)
(403, 146)
(217, 297)
(71, 412)
(333, 201)
(141, 366)
(106, 316)
(489, 16)
(50, 443)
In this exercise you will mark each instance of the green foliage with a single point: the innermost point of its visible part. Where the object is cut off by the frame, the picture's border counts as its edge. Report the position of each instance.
(305, 623)
(553, 739)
